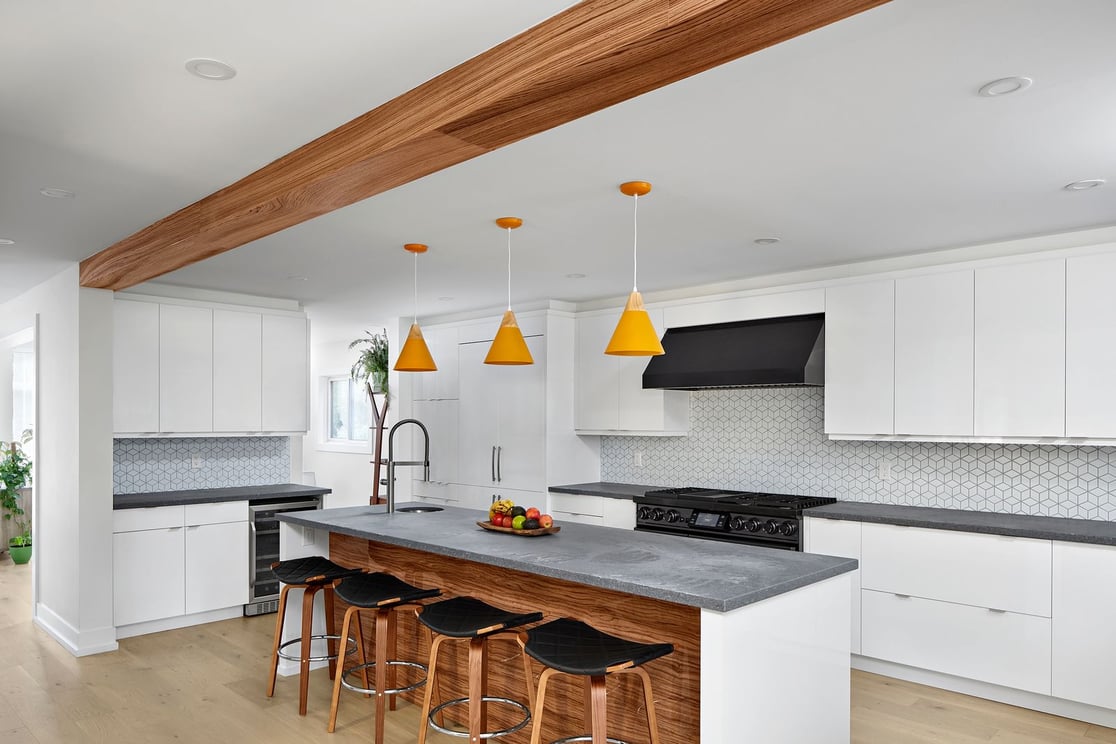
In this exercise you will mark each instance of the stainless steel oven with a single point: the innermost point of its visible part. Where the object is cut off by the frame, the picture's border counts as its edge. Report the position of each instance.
(263, 549)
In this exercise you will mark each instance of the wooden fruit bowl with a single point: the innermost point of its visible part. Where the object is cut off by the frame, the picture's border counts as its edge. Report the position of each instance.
(522, 533)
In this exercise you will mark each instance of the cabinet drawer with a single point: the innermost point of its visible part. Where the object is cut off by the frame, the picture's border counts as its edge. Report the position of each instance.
(224, 511)
(1003, 648)
(154, 518)
(577, 503)
(561, 516)
(986, 571)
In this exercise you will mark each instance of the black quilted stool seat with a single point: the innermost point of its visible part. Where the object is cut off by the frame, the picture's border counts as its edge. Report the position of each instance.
(467, 618)
(312, 574)
(566, 646)
(385, 595)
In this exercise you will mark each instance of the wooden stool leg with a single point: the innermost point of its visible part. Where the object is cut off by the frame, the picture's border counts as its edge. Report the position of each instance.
(331, 629)
(391, 672)
(428, 696)
(600, 709)
(649, 704)
(278, 640)
(528, 677)
(382, 618)
(478, 678)
(362, 657)
(341, 672)
(307, 629)
(540, 703)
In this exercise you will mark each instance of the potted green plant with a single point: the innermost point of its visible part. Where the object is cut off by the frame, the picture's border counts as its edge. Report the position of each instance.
(15, 477)
(371, 368)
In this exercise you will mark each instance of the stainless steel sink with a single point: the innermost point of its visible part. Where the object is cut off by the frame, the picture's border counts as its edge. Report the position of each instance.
(418, 509)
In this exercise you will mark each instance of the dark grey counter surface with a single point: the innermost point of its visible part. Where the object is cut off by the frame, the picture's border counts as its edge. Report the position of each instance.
(1012, 525)
(699, 573)
(212, 495)
(606, 489)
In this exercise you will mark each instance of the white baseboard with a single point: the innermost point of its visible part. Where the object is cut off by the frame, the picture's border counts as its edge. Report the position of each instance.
(179, 621)
(78, 643)
(1021, 698)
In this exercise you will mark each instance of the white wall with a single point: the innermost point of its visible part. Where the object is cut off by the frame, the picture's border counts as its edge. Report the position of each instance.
(73, 466)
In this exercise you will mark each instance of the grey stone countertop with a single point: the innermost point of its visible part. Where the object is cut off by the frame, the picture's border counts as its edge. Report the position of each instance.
(699, 573)
(606, 489)
(213, 495)
(1011, 525)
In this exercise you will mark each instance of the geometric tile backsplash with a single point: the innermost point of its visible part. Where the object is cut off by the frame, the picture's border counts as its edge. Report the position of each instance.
(770, 439)
(146, 465)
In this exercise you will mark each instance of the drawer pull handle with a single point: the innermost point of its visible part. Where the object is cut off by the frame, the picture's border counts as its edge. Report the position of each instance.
(998, 612)
(903, 596)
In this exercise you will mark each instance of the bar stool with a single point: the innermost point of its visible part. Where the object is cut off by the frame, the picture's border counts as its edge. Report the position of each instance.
(467, 618)
(566, 646)
(312, 574)
(385, 594)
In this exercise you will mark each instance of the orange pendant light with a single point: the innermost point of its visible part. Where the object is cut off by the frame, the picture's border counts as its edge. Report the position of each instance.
(634, 335)
(509, 346)
(415, 356)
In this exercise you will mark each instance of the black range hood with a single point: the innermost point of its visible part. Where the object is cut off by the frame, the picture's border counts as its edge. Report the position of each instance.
(750, 353)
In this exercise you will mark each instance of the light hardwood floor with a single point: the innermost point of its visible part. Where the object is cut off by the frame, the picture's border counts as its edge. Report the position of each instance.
(206, 684)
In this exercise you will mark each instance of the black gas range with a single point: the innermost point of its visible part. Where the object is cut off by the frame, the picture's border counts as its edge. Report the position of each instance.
(772, 520)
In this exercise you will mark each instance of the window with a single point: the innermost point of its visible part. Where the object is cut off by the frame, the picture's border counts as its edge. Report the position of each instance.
(348, 410)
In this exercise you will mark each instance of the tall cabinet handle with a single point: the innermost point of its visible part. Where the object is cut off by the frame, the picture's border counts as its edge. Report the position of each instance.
(499, 461)
(494, 463)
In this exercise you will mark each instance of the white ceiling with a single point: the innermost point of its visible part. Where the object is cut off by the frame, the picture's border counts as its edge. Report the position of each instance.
(861, 140)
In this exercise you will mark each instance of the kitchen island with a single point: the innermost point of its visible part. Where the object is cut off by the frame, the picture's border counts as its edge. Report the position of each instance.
(760, 635)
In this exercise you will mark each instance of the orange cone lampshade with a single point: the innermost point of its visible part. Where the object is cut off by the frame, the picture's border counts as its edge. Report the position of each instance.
(509, 346)
(634, 334)
(415, 356)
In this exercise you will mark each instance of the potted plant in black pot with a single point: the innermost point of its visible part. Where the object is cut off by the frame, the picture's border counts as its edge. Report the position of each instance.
(15, 478)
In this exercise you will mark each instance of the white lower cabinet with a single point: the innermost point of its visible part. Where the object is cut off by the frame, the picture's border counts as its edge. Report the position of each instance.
(200, 551)
(841, 539)
(1083, 638)
(588, 509)
(1003, 648)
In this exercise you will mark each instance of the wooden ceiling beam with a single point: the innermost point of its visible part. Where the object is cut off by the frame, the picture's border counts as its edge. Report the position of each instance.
(591, 56)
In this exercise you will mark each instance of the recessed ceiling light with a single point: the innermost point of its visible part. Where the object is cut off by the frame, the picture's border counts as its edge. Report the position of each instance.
(1005, 86)
(295, 278)
(210, 69)
(765, 241)
(1091, 183)
(57, 193)
(575, 276)
(5, 241)
(444, 299)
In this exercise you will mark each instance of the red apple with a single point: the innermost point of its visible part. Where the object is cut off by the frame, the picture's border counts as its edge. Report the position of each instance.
(533, 513)
(546, 521)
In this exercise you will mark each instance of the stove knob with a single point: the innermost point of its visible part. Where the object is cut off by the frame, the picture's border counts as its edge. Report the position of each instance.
(788, 528)
(737, 524)
(770, 527)
(753, 525)
(673, 516)
(658, 515)
(644, 512)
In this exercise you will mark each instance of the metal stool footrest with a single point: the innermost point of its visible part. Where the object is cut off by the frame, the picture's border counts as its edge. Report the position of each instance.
(372, 665)
(350, 648)
(488, 734)
(586, 737)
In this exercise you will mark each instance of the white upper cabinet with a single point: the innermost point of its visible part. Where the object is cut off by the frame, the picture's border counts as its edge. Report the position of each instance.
(442, 384)
(934, 354)
(237, 344)
(609, 389)
(135, 360)
(1090, 346)
(860, 358)
(286, 373)
(1020, 360)
(185, 368)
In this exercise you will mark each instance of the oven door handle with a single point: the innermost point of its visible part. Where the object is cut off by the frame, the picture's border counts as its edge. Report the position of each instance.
(282, 506)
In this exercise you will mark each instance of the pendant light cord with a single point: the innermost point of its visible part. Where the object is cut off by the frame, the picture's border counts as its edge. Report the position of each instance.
(635, 241)
(416, 288)
(509, 268)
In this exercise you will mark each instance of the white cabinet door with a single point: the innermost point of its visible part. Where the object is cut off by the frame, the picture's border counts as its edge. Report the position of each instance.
(477, 417)
(842, 539)
(1020, 379)
(1090, 346)
(141, 593)
(185, 368)
(286, 374)
(237, 370)
(597, 375)
(1084, 644)
(521, 436)
(441, 421)
(648, 410)
(442, 384)
(216, 566)
(934, 354)
(135, 361)
(860, 358)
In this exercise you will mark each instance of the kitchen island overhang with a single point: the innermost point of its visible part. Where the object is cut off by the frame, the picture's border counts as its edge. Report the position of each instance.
(757, 631)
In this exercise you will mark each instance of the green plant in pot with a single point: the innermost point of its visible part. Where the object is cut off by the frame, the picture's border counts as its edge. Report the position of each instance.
(371, 368)
(15, 475)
